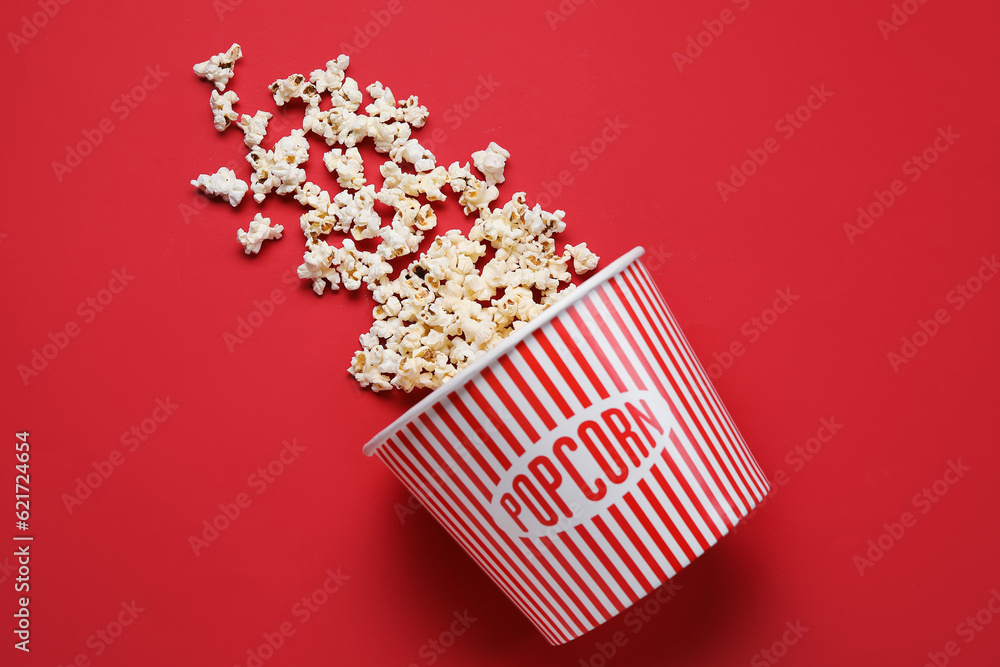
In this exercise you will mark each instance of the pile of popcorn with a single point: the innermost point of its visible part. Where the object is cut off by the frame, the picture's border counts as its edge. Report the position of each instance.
(442, 311)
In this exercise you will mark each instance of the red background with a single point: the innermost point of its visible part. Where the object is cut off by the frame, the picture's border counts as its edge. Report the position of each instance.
(128, 204)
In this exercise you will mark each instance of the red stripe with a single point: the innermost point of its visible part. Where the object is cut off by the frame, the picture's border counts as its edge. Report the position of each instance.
(544, 378)
(678, 506)
(609, 336)
(498, 423)
(712, 397)
(574, 312)
(654, 533)
(526, 391)
(473, 450)
(591, 571)
(465, 539)
(460, 460)
(594, 600)
(624, 554)
(689, 492)
(721, 453)
(476, 425)
(699, 479)
(547, 564)
(510, 406)
(673, 408)
(639, 544)
(560, 365)
(610, 566)
(573, 619)
(574, 348)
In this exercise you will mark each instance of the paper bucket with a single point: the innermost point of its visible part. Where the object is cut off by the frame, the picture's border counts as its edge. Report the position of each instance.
(585, 460)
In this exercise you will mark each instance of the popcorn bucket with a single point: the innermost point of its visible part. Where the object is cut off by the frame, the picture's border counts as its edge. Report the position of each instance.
(583, 461)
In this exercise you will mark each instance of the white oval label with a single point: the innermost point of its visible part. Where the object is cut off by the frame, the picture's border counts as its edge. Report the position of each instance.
(583, 466)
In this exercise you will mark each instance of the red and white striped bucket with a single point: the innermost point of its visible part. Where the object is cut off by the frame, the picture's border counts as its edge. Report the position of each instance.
(585, 460)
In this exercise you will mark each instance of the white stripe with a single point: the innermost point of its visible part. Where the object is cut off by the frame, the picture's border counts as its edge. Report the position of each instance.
(574, 369)
(607, 551)
(521, 401)
(541, 394)
(687, 503)
(661, 528)
(505, 414)
(593, 329)
(646, 537)
(544, 397)
(549, 366)
(472, 431)
(581, 594)
(454, 467)
(620, 595)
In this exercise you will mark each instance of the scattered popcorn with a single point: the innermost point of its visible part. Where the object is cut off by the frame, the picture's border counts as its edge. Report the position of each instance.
(348, 96)
(347, 165)
(318, 265)
(451, 304)
(583, 259)
(296, 85)
(278, 169)
(490, 162)
(260, 230)
(411, 151)
(222, 183)
(254, 127)
(219, 69)
(332, 77)
(222, 108)
(477, 196)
